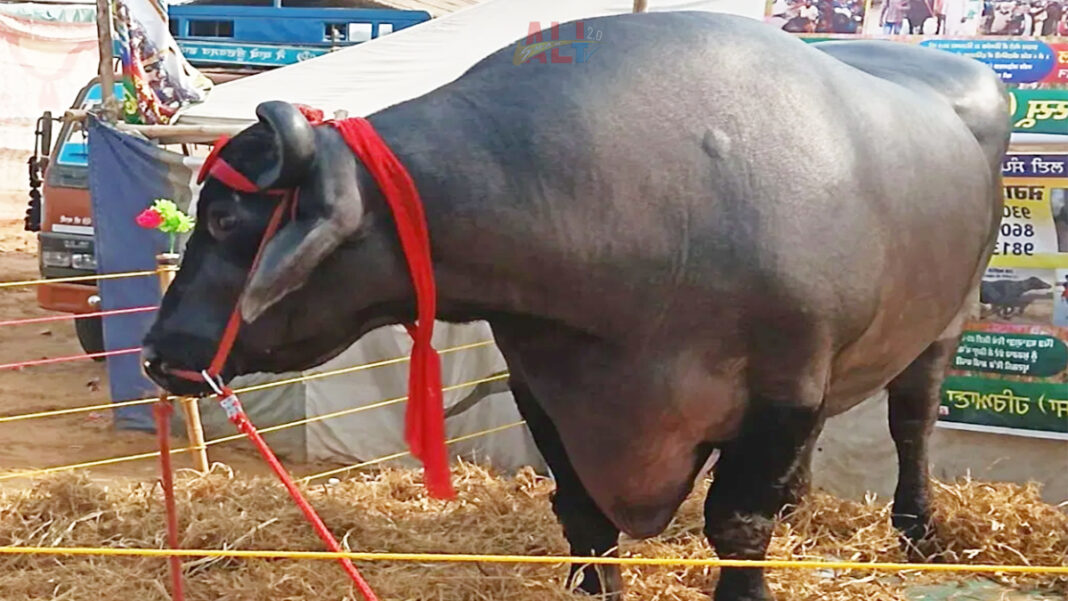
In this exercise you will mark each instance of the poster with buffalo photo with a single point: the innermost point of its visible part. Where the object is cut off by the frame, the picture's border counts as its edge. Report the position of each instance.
(1010, 371)
(817, 16)
(1017, 296)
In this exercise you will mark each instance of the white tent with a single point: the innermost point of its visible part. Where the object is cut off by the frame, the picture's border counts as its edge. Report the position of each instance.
(371, 76)
(361, 80)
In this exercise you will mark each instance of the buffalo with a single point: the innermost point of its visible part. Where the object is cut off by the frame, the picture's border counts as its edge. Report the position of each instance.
(1011, 297)
(709, 236)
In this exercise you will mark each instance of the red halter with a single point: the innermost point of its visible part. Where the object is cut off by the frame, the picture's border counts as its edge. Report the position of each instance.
(425, 417)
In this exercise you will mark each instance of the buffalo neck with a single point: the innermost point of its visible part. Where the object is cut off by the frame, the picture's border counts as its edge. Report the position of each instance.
(447, 149)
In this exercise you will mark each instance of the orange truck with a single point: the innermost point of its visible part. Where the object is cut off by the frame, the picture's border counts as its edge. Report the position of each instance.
(62, 215)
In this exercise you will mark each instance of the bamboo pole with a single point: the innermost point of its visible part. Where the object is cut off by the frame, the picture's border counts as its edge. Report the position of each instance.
(190, 410)
(105, 46)
(168, 134)
(191, 134)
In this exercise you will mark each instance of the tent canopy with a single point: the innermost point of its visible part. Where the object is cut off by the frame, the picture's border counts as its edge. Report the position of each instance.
(371, 76)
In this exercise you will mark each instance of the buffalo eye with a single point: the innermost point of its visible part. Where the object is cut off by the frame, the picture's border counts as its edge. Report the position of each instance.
(221, 221)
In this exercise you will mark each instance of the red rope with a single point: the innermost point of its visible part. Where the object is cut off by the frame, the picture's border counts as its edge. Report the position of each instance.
(230, 404)
(425, 420)
(36, 362)
(226, 343)
(72, 316)
(162, 410)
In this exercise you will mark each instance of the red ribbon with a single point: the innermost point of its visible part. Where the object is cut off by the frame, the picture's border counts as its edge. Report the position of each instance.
(425, 418)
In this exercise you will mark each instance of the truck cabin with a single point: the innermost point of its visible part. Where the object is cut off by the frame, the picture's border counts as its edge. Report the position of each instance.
(226, 39)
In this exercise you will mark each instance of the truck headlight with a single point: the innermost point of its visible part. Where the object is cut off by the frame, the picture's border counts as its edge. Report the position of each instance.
(56, 258)
(83, 261)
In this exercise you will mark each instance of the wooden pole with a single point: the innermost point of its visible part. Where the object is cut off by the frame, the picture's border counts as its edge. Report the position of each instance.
(169, 134)
(190, 134)
(640, 5)
(105, 45)
(167, 262)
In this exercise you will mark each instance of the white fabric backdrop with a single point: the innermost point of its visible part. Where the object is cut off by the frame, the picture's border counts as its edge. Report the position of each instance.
(43, 64)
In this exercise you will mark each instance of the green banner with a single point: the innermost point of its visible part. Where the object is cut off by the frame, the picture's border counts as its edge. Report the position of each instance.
(1039, 111)
(1039, 407)
(1014, 354)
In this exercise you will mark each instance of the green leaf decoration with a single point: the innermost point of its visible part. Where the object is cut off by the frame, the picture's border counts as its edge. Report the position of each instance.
(174, 220)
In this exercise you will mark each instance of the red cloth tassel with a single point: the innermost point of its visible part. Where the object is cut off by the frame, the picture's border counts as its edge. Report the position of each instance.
(425, 417)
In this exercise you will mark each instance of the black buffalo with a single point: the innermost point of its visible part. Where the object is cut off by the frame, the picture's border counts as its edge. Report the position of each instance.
(1009, 297)
(710, 236)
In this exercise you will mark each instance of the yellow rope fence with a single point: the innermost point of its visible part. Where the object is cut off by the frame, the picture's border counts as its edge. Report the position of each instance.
(268, 430)
(542, 559)
(85, 278)
(265, 386)
(378, 460)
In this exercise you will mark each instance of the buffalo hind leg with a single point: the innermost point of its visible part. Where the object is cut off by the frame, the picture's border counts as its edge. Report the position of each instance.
(588, 531)
(754, 476)
(913, 410)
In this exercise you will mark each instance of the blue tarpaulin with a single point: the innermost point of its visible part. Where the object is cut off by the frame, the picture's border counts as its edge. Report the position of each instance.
(126, 174)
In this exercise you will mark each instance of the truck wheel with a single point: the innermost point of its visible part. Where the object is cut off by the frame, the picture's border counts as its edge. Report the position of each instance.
(90, 332)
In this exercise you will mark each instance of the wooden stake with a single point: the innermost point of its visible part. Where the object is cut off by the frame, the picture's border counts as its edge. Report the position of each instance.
(190, 410)
(640, 5)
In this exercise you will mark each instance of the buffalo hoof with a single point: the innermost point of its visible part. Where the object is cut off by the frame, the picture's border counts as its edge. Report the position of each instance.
(604, 583)
(917, 537)
(742, 584)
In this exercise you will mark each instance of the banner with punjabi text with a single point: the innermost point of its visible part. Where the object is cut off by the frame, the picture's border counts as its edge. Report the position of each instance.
(1010, 371)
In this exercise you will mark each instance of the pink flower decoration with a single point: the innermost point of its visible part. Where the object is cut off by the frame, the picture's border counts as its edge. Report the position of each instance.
(149, 219)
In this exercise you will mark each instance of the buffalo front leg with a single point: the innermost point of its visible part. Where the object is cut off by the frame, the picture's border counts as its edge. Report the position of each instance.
(756, 473)
(800, 482)
(913, 409)
(588, 531)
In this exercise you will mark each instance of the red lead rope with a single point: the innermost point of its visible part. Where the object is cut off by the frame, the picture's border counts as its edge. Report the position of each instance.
(425, 418)
(232, 406)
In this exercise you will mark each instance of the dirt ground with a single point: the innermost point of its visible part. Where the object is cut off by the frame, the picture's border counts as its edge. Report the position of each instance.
(56, 441)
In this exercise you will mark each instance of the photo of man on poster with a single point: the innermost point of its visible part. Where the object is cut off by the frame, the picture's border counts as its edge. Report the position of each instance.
(1024, 18)
(816, 16)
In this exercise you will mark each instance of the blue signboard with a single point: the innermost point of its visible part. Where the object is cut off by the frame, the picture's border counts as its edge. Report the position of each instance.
(1035, 165)
(1016, 61)
(257, 55)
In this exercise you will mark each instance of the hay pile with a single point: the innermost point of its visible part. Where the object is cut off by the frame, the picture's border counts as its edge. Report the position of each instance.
(387, 511)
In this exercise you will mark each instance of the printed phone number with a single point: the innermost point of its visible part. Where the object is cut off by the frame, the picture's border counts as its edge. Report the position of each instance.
(1016, 230)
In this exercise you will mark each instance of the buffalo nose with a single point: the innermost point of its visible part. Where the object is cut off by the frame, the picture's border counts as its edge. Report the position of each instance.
(150, 361)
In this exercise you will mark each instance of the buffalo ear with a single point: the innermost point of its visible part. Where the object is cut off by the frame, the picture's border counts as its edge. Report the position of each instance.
(333, 211)
(287, 262)
(294, 138)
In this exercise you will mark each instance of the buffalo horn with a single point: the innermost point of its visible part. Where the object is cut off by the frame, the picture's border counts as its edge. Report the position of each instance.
(295, 140)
